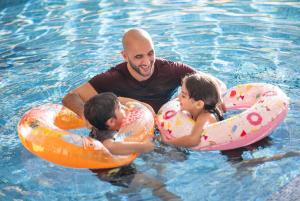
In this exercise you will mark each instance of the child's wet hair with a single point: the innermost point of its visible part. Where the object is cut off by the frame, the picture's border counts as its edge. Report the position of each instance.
(202, 87)
(100, 108)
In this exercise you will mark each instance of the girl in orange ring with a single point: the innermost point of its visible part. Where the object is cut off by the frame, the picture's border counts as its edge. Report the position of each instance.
(200, 97)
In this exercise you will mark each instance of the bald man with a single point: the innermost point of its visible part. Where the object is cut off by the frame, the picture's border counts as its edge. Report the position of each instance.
(141, 76)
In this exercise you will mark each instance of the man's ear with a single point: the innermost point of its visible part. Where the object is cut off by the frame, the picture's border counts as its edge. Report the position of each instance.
(125, 57)
(111, 122)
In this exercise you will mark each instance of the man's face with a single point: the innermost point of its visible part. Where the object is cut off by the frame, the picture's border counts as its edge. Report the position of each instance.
(143, 67)
(141, 57)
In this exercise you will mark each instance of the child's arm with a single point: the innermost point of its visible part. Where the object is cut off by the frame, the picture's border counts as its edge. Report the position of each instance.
(126, 148)
(194, 138)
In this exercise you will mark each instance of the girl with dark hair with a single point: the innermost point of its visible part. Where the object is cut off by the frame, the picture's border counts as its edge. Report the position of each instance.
(199, 96)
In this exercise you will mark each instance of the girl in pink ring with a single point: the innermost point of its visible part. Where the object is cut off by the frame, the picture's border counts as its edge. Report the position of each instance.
(200, 97)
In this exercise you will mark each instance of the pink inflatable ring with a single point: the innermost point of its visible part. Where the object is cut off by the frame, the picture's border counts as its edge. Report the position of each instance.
(266, 107)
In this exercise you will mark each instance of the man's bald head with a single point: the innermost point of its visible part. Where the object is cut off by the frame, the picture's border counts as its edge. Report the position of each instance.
(139, 53)
(135, 36)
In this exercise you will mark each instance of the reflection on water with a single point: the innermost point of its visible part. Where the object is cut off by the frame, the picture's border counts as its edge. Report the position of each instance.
(49, 47)
(134, 180)
(236, 155)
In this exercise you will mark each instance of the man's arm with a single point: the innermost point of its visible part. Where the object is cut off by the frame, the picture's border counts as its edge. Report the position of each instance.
(76, 98)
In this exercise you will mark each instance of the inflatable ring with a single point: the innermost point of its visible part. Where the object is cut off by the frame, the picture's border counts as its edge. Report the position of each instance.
(266, 107)
(43, 131)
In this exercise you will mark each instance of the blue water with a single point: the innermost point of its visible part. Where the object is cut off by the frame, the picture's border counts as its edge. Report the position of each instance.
(49, 47)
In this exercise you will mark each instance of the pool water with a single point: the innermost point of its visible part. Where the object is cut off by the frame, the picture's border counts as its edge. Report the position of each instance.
(49, 47)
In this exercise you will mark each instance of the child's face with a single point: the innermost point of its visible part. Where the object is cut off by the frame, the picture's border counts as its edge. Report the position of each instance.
(118, 118)
(186, 103)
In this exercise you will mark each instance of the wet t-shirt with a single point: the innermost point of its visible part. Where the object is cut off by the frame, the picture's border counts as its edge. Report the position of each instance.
(155, 91)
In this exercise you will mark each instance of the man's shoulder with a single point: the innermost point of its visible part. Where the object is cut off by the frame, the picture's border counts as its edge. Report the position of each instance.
(119, 66)
(160, 62)
(165, 64)
(116, 70)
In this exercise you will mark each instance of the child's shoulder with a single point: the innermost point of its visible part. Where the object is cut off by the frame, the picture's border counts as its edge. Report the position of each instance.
(207, 117)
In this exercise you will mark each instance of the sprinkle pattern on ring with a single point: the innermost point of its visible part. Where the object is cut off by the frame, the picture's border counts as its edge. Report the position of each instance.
(169, 114)
(254, 118)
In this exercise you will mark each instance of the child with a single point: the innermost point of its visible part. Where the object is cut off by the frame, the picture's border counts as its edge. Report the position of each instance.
(199, 96)
(105, 114)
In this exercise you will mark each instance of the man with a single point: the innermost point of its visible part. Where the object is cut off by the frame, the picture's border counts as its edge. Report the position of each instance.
(141, 76)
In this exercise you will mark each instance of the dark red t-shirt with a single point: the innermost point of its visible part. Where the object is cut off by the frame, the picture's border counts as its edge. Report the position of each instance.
(156, 91)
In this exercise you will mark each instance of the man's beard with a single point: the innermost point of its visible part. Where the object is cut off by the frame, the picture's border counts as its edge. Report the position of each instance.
(138, 69)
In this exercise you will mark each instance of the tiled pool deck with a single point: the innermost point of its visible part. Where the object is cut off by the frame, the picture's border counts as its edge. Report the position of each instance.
(289, 192)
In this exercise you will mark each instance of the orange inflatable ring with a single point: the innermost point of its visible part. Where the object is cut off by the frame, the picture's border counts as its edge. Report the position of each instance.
(43, 131)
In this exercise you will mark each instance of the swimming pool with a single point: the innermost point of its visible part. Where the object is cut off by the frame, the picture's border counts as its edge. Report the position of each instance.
(50, 47)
